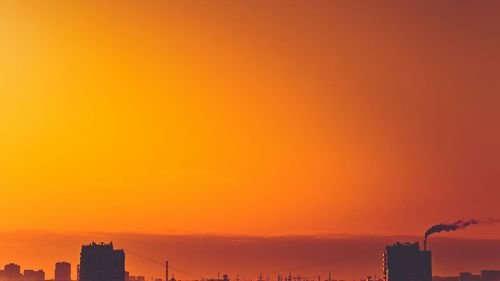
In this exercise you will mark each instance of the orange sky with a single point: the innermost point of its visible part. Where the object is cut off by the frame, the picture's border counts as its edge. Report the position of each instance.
(251, 117)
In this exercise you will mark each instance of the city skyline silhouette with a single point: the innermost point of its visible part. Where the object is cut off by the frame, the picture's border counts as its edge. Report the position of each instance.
(196, 256)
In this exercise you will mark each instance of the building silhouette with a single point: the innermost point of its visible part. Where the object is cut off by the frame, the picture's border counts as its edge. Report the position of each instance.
(467, 276)
(100, 262)
(406, 262)
(490, 275)
(32, 275)
(63, 271)
(10, 272)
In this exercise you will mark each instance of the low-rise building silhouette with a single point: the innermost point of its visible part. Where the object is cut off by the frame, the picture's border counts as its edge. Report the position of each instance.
(490, 275)
(467, 276)
(11, 272)
(33, 275)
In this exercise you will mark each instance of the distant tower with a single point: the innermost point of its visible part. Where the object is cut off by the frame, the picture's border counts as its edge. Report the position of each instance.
(166, 269)
(63, 271)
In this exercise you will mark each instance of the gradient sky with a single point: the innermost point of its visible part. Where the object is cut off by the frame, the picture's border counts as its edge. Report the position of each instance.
(257, 117)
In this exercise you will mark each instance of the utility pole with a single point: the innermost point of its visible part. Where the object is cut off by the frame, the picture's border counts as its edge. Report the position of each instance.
(166, 269)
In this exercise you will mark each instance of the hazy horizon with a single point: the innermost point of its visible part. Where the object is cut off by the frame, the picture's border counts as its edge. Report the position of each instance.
(205, 255)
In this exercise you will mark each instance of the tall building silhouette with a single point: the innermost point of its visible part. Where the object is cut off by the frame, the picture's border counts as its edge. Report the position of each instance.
(63, 271)
(100, 262)
(406, 262)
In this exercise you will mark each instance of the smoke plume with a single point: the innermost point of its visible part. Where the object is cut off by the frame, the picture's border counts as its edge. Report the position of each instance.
(460, 224)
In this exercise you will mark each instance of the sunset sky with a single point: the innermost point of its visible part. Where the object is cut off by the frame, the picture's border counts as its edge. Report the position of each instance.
(256, 118)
